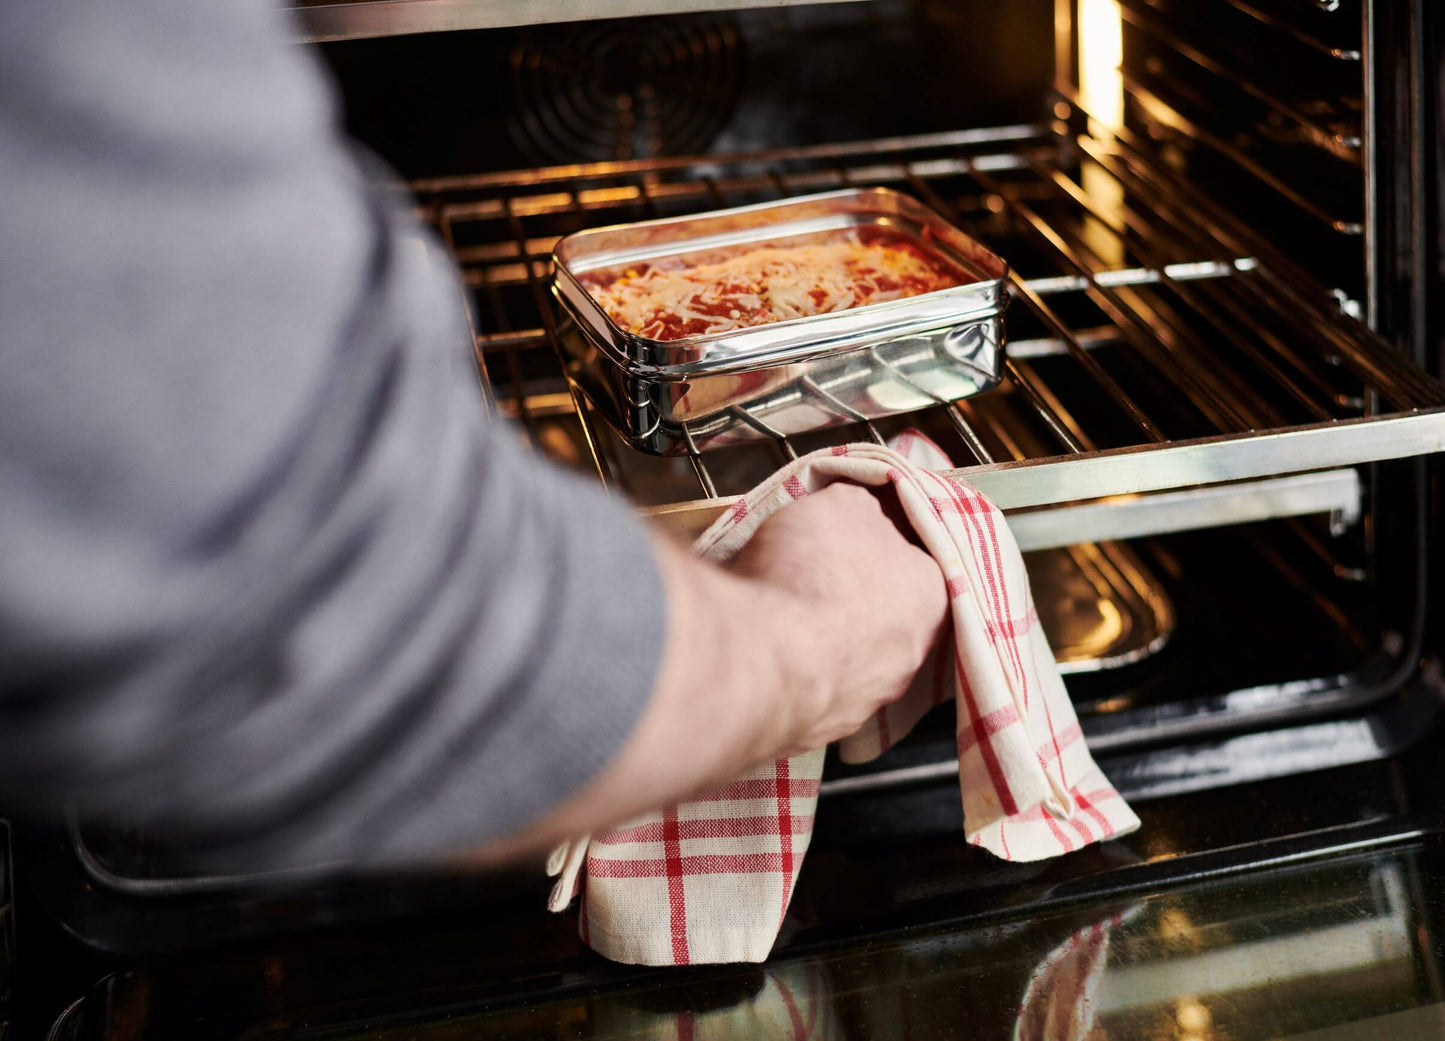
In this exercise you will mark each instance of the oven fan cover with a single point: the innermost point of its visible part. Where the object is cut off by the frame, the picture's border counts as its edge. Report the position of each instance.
(626, 89)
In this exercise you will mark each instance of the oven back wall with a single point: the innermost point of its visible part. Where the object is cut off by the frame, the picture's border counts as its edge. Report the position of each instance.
(683, 85)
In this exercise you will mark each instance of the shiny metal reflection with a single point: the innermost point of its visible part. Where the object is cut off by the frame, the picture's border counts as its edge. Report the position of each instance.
(754, 384)
(1099, 605)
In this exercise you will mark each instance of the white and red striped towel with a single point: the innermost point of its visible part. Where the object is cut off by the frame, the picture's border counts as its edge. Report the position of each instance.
(793, 1003)
(710, 880)
(1062, 997)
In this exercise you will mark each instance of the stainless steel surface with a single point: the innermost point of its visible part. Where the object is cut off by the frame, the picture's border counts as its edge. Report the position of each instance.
(1130, 471)
(1099, 605)
(1127, 471)
(1188, 271)
(1335, 492)
(325, 20)
(783, 378)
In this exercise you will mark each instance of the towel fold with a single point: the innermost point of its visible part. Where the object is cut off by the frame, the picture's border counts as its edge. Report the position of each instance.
(710, 880)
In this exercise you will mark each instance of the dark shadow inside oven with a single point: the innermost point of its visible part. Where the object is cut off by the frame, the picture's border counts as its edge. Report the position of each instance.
(739, 81)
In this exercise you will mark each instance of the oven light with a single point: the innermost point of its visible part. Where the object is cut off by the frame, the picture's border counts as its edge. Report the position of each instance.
(1193, 1018)
(1101, 88)
(1101, 49)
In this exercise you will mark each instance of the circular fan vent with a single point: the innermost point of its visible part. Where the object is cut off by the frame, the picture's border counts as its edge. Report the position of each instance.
(625, 89)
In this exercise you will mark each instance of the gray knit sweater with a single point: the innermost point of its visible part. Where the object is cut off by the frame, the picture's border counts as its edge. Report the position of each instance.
(268, 576)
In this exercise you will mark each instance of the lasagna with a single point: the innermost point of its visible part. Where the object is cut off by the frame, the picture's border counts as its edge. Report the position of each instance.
(707, 294)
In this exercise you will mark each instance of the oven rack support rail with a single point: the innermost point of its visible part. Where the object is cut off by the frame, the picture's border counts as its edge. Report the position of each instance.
(1288, 394)
(1291, 138)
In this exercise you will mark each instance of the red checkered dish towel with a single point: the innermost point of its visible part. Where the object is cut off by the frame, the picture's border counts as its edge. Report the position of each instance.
(710, 880)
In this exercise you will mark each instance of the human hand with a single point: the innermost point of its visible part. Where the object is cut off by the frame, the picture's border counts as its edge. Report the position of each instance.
(869, 606)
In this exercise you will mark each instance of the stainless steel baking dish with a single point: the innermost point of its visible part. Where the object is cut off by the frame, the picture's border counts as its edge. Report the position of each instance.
(689, 395)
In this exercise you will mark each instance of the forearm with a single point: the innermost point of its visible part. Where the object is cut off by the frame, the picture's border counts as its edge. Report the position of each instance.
(743, 663)
(825, 616)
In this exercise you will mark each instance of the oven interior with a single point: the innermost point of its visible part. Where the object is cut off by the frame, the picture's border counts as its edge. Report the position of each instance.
(1195, 200)
(1213, 429)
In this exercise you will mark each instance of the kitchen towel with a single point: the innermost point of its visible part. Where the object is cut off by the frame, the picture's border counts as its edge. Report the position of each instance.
(1062, 997)
(791, 1002)
(710, 880)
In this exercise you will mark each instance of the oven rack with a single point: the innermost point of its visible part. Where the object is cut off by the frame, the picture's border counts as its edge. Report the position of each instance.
(1341, 143)
(1299, 34)
(1159, 347)
(1292, 137)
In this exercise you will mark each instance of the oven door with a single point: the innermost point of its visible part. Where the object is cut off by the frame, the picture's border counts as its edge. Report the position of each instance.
(1302, 908)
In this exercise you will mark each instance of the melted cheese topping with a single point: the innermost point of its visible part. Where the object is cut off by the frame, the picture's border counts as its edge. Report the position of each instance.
(674, 298)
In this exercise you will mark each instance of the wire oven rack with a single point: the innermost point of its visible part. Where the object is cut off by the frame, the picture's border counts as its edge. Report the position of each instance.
(1156, 346)
(1304, 139)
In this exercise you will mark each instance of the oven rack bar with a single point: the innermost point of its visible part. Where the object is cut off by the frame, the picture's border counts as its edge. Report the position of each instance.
(1337, 493)
(1169, 116)
(1016, 134)
(1230, 381)
(1203, 465)
(1304, 139)
(1342, 54)
(1282, 285)
(1342, 145)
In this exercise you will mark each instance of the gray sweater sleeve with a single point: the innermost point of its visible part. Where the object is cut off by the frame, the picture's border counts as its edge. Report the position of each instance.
(268, 576)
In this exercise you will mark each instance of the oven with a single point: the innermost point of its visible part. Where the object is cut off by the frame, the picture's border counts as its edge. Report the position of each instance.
(1215, 437)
